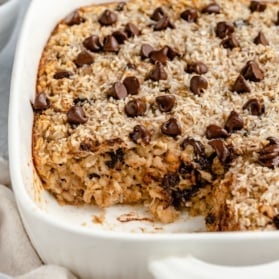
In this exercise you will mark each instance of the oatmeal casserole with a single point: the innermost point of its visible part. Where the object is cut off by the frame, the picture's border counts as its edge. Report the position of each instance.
(169, 104)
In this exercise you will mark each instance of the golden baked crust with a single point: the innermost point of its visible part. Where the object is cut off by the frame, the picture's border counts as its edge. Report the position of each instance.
(102, 159)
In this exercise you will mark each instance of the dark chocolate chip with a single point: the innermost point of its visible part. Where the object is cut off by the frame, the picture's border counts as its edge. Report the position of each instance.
(116, 157)
(221, 149)
(120, 36)
(76, 115)
(234, 122)
(165, 102)
(84, 58)
(277, 21)
(212, 8)
(171, 53)
(269, 155)
(135, 108)
(257, 6)
(140, 134)
(213, 131)
(223, 29)
(252, 71)
(261, 39)
(131, 66)
(198, 147)
(158, 14)
(131, 30)
(210, 219)
(108, 18)
(120, 6)
(255, 107)
(240, 85)
(132, 85)
(146, 49)
(197, 67)
(81, 101)
(171, 128)
(118, 91)
(190, 15)
(230, 42)
(74, 19)
(62, 74)
(158, 73)
(170, 180)
(111, 44)
(276, 221)
(93, 43)
(41, 102)
(159, 55)
(198, 84)
(163, 24)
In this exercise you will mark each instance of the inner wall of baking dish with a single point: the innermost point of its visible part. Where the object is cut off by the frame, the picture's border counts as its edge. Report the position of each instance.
(40, 21)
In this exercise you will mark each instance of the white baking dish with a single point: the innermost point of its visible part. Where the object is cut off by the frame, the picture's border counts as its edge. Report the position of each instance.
(67, 236)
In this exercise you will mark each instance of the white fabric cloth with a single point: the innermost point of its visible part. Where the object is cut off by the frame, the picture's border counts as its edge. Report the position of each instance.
(18, 258)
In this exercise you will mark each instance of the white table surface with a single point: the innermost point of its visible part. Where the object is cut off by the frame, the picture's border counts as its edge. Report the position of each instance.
(6, 63)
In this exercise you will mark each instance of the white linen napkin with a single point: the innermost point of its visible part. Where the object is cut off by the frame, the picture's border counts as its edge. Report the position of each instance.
(18, 258)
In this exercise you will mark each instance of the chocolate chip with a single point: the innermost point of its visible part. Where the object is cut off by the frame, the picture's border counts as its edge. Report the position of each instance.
(74, 19)
(257, 6)
(234, 122)
(277, 21)
(118, 91)
(223, 29)
(93, 43)
(116, 156)
(197, 67)
(171, 128)
(62, 74)
(41, 102)
(221, 149)
(159, 55)
(132, 30)
(190, 15)
(170, 180)
(159, 72)
(269, 155)
(255, 107)
(240, 85)
(252, 71)
(81, 101)
(108, 18)
(111, 44)
(197, 146)
(165, 102)
(261, 39)
(163, 24)
(120, 36)
(158, 14)
(135, 108)
(198, 84)
(212, 8)
(76, 115)
(210, 219)
(140, 134)
(131, 66)
(230, 42)
(276, 221)
(213, 131)
(132, 85)
(84, 58)
(171, 53)
(146, 49)
(120, 6)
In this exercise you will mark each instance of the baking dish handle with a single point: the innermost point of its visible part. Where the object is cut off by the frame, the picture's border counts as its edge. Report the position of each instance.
(192, 268)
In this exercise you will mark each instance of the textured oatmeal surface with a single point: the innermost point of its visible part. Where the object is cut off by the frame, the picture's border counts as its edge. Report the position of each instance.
(86, 148)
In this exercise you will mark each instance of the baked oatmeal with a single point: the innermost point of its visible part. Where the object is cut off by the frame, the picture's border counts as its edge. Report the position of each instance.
(169, 104)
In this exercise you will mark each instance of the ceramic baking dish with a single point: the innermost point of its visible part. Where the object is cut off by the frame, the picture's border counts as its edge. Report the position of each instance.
(115, 243)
